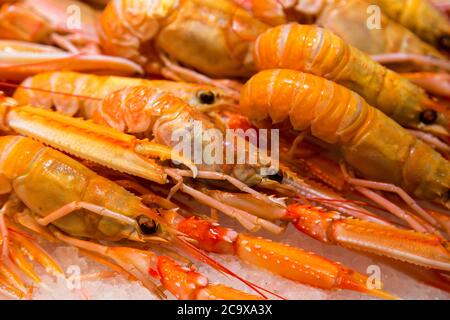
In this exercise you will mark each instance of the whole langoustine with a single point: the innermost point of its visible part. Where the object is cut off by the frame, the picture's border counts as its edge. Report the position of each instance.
(375, 145)
(80, 94)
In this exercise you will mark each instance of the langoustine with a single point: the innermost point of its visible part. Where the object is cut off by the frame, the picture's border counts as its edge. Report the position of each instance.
(147, 110)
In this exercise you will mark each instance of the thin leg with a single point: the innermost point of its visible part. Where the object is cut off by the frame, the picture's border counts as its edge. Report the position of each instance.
(431, 140)
(190, 75)
(4, 236)
(299, 139)
(436, 83)
(163, 203)
(135, 262)
(78, 205)
(394, 209)
(235, 182)
(246, 219)
(64, 43)
(11, 281)
(443, 5)
(173, 173)
(28, 221)
(175, 189)
(214, 215)
(35, 253)
(171, 75)
(390, 188)
(131, 185)
(401, 57)
(4, 229)
(17, 253)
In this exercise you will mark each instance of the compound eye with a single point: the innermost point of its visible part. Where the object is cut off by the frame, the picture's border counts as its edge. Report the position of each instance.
(207, 97)
(148, 227)
(278, 177)
(428, 116)
(444, 42)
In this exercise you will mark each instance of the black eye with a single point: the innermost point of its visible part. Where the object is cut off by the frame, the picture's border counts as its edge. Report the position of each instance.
(444, 42)
(207, 97)
(428, 116)
(148, 226)
(278, 177)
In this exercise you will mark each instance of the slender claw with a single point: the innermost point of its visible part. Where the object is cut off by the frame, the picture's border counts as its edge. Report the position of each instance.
(108, 147)
(304, 267)
(249, 221)
(414, 247)
(291, 263)
(185, 283)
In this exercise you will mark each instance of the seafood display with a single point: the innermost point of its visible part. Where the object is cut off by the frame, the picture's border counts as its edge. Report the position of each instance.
(186, 147)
